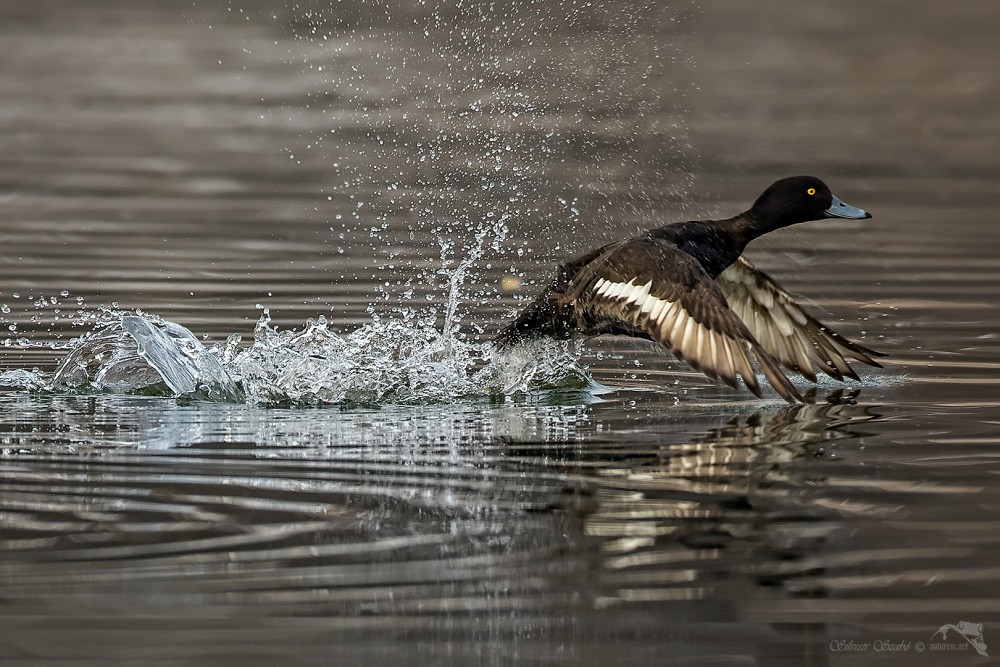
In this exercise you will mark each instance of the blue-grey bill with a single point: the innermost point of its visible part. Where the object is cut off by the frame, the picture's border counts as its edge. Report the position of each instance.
(839, 209)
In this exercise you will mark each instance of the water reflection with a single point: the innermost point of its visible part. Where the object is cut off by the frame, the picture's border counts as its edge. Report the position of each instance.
(384, 512)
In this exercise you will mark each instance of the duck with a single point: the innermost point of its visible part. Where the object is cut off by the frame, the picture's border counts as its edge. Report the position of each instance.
(687, 286)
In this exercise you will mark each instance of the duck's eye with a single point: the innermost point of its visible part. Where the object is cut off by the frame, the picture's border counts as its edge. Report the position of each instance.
(811, 191)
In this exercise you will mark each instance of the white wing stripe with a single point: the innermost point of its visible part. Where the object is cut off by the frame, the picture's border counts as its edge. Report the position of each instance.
(639, 294)
(658, 307)
(678, 328)
(659, 310)
(689, 331)
(629, 291)
(621, 289)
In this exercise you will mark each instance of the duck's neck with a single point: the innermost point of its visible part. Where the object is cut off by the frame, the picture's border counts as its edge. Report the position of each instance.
(716, 243)
(736, 233)
(752, 224)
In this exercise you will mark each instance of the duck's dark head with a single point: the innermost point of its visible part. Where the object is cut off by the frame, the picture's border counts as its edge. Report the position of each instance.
(800, 199)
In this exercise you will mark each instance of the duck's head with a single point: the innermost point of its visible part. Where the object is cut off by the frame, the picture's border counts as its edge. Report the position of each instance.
(800, 199)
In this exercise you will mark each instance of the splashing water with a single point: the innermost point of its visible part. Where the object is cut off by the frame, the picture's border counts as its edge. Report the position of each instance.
(408, 359)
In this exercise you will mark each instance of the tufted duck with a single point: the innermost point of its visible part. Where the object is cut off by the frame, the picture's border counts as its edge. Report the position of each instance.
(687, 287)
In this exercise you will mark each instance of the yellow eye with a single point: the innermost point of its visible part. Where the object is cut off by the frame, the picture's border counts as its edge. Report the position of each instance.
(811, 191)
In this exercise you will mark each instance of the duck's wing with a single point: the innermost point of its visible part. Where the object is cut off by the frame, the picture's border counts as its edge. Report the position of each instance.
(653, 290)
(788, 333)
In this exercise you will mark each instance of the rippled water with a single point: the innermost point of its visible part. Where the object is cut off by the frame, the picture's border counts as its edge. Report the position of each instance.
(216, 162)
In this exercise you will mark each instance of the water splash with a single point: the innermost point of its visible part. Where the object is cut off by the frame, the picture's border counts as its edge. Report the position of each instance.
(409, 358)
(381, 362)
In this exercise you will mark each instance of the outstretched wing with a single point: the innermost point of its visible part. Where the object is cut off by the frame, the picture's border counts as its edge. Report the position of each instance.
(788, 333)
(650, 289)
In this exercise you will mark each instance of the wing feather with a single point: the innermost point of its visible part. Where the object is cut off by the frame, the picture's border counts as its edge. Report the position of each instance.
(795, 339)
(652, 289)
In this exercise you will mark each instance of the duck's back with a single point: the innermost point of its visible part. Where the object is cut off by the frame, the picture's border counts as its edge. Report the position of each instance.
(713, 243)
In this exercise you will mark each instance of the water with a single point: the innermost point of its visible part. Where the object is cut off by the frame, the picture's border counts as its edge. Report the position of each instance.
(310, 178)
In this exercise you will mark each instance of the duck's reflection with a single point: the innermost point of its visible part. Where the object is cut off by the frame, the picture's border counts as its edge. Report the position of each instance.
(728, 458)
(729, 505)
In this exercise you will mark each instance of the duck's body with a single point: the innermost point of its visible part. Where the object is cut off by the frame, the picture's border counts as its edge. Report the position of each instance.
(686, 286)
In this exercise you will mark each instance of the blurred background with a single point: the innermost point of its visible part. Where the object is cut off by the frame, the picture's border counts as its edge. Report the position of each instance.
(197, 160)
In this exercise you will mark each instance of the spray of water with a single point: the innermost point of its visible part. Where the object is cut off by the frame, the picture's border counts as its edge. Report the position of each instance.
(413, 357)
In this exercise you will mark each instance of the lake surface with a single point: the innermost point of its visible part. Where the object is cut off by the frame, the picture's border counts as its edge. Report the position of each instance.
(205, 161)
